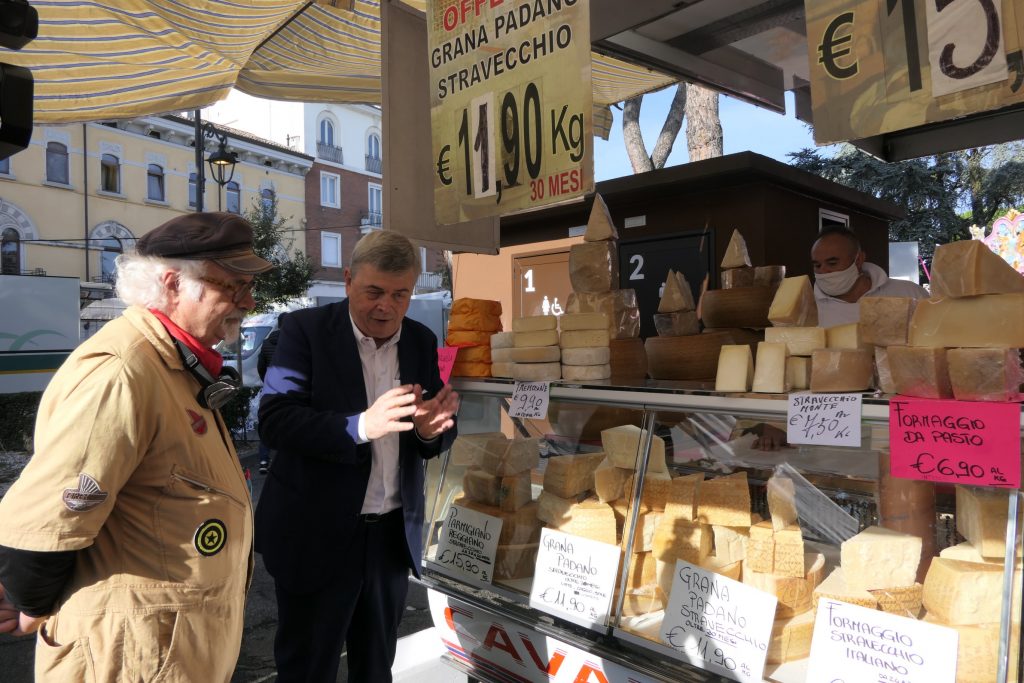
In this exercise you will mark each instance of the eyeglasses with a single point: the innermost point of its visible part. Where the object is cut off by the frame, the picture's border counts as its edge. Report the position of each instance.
(238, 291)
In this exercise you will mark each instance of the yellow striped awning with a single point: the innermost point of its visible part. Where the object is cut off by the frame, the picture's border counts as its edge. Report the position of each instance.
(95, 60)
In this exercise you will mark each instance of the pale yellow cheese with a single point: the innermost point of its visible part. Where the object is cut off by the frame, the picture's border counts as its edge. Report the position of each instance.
(883, 372)
(591, 519)
(600, 226)
(798, 373)
(535, 354)
(585, 373)
(885, 320)
(643, 533)
(781, 494)
(904, 601)
(656, 489)
(735, 368)
(985, 374)
(770, 369)
(540, 338)
(570, 475)
(724, 500)
(620, 307)
(835, 587)
(622, 445)
(639, 601)
(981, 516)
(677, 295)
(788, 552)
(503, 369)
(760, 555)
(970, 267)
(794, 593)
(844, 337)
(986, 321)
(678, 324)
(508, 493)
(642, 568)
(503, 355)
(793, 305)
(736, 254)
(554, 510)
(503, 457)
(968, 553)
(515, 561)
(880, 558)
(733, 569)
(583, 321)
(519, 526)
(534, 323)
(469, 449)
(919, 371)
(681, 496)
(730, 542)
(679, 539)
(596, 355)
(502, 340)
(791, 638)
(536, 372)
(959, 592)
(594, 267)
(737, 277)
(977, 650)
(841, 370)
(582, 339)
(799, 341)
(610, 481)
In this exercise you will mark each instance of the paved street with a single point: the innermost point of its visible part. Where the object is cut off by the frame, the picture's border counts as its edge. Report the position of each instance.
(256, 662)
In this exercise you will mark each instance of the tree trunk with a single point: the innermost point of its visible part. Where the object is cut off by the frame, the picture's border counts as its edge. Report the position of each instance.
(703, 127)
(633, 137)
(670, 129)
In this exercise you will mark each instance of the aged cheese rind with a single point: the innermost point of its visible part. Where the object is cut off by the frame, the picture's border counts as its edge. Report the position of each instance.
(677, 324)
(504, 457)
(984, 374)
(620, 307)
(737, 277)
(470, 449)
(677, 295)
(469, 369)
(730, 542)
(781, 494)
(592, 355)
(981, 516)
(724, 500)
(610, 481)
(656, 489)
(586, 373)
(502, 340)
(591, 519)
(570, 475)
(735, 368)
(535, 354)
(583, 321)
(986, 321)
(794, 593)
(960, 593)
(536, 372)
(681, 496)
(793, 305)
(508, 493)
(799, 341)
(737, 307)
(769, 276)
(468, 305)
(885, 320)
(483, 322)
(760, 555)
(788, 552)
(679, 539)
(798, 373)
(622, 444)
(791, 638)
(883, 371)
(841, 370)
(468, 338)
(473, 354)
(540, 338)
(970, 267)
(534, 323)
(880, 558)
(736, 254)
(835, 587)
(499, 355)
(919, 371)
(904, 601)
(600, 226)
(502, 369)
(770, 369)
(583, 339)
(686, 358)
(594, 266)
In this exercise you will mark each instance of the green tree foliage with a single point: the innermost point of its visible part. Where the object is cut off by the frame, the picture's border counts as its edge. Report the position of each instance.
(942, 195)
(291, 275)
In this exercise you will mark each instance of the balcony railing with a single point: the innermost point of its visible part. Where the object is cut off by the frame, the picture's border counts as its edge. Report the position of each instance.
(329, 152)
(373, 164)
(428, 281)
(371, 219)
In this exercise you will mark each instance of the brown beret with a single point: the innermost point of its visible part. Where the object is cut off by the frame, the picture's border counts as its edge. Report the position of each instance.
(221, 237)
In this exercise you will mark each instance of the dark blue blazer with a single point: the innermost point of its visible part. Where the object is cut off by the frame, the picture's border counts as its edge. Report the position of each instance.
(312, 397)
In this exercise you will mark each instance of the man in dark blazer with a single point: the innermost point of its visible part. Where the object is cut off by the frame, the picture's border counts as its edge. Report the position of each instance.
(354, 405)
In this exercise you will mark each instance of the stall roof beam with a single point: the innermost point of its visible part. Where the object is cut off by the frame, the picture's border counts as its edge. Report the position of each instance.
(744, 24)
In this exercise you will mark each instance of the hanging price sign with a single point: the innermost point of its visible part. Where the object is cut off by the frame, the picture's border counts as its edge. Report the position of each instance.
(511, 105)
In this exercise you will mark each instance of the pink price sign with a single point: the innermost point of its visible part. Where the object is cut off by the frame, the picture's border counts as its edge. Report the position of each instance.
(446, 361)
(962, 442)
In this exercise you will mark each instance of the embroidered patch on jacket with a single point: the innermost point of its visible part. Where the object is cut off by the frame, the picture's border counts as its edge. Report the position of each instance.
(210, 537)
(198, 422)
(86, 496)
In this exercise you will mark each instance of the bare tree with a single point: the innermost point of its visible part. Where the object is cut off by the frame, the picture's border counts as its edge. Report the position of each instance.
(699, 105)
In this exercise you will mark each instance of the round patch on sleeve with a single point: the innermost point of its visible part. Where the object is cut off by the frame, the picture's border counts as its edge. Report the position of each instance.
(210, 537)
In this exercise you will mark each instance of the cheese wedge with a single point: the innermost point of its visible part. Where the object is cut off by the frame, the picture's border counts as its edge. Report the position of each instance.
(880, 558)
(919, 371)
(835, 587)
(517, 527)
(985, 321)
(594, 266)
(504, 457)
(736, 255)
(799, 341)
(735, 368)
(798, 373)
(770, 369)
(622, 445)
(885, 320)
(600, 226)
(677, 295)
(969, 268)
(985, 374)
(793, 305)
(725, 500)
(961, 593)
(570, 475)
(837, 370)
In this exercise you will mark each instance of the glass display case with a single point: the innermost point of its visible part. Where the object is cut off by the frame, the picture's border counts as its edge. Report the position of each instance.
(696, 495)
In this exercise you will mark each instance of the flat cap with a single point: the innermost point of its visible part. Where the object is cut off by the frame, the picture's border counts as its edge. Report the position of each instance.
(221, 237)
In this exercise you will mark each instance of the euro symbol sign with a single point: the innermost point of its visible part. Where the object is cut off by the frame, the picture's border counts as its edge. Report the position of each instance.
(443, 172)
(832, 47)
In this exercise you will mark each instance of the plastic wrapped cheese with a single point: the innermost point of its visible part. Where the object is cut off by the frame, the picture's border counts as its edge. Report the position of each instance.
(594, 267)
(885, 320)
(677, 295)
(919, 371)
(677, 324)
(620, 306)
(737, 277)
(467, 338)
(835, 370)
(985, 321)
(467, 305)
(969, 268)
(985, 374)
(473, 354)
(483, 322)
(471, 369)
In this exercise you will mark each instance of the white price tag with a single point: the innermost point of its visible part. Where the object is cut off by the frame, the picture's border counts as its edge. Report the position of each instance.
(718, 624)
(530, 400)
(467, 545)
(574, 578)
(965, 45)
(853, 643)
(824, 419)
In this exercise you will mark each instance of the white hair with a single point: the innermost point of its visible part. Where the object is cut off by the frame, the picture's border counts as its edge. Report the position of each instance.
(140, 279)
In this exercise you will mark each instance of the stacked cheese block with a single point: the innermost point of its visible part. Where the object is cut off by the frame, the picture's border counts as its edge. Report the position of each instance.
(964, 342)
(746, 291)
(498, 483)
(963, 587)
(677, 315)
(584, 344)
(594, 275)
(470, 326)
(535, 354)
(502, 344)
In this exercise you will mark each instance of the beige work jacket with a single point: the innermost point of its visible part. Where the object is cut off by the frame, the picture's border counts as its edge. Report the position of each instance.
(131, 472)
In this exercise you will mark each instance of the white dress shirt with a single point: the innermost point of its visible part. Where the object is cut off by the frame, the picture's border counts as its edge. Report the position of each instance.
(380, 374)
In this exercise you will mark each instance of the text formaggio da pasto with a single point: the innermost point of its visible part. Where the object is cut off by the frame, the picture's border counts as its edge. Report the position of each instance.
(493, 62)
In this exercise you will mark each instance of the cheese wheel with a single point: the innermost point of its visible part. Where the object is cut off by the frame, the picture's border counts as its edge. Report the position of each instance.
(597, 355)
(580, 373)
(738, 307)
(536, 372)
(468, 338)
(534, 323)
(501, 355)
(482, 322)
(534, 354)
(503, 340)
(467, 305)
(583, 321)
(502, 369)
(578, 339)
(473, 354)
(542, 338)
(471, 369)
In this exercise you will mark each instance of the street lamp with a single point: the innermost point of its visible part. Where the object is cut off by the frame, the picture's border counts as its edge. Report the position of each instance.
(222, 162)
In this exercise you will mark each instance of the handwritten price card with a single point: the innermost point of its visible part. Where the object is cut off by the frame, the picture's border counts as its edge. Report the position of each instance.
(575, 578)
(824, 419)
(962, 442)
(530, 400)
(854, 644)
(446, 361)
(718, 624)
(467, 545)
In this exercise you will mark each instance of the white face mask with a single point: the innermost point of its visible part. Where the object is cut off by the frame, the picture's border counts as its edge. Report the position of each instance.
(839, 282)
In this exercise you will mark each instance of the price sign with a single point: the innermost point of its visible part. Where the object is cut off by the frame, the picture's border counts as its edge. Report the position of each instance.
(574, 578)
(446, 361)
(853, 643)
(511, 105)
(467, 545)
(961, 442)
(530, 400)
(718, 624)
(824, 419)
(878, 67)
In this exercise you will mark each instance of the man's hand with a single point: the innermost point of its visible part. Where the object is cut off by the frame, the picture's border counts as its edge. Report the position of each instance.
(14, 622)
(771, 439)
(386, 413)
(437, 415)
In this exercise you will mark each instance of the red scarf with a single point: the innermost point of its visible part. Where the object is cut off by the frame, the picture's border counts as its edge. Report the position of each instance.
(211, 360)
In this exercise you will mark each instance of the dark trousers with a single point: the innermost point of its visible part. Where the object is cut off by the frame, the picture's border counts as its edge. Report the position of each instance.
(361, 609)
